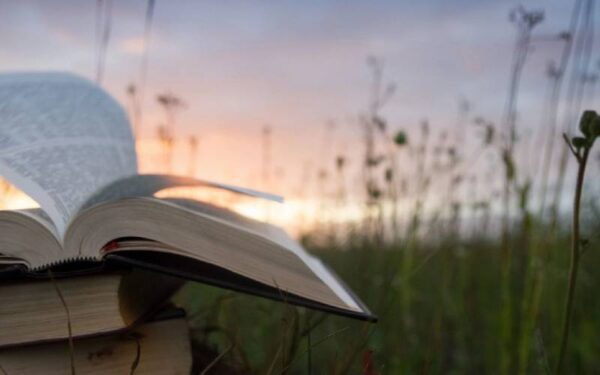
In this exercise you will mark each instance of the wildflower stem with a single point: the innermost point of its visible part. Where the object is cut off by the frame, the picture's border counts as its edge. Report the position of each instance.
(575, 257)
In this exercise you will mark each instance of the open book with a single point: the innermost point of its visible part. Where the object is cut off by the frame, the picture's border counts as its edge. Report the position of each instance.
(68, 144)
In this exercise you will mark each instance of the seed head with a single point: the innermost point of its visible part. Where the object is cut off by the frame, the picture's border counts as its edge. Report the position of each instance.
(595, 127)
(585, 122)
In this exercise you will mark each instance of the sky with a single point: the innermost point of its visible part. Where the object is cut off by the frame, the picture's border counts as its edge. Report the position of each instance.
(298, 67)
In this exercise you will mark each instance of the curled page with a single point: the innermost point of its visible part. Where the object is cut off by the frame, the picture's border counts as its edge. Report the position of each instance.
(62, 138)
(145, 185)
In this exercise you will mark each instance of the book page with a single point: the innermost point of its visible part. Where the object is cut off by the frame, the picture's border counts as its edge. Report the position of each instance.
(146, 185)
(41, 217)
(276, 235)
(61, 139)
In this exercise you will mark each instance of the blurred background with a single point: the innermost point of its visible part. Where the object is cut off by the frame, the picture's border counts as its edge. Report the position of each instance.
(418, 146)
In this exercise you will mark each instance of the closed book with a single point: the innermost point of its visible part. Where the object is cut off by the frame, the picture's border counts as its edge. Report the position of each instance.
(54, 308)
(160, 347)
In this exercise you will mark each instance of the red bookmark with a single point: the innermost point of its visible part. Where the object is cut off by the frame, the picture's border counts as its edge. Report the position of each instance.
(112, 245)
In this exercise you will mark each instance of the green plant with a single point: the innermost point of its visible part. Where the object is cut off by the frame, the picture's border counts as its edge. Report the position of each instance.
(580, 147)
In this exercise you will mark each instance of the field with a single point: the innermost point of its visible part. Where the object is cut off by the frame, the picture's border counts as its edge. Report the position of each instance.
(453, 312)
(504, 283)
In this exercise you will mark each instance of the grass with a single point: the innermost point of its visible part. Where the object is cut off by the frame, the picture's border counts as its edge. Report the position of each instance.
(455, 315)
(448, 302)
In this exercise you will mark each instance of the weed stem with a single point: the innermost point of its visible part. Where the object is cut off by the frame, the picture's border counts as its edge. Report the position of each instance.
(575, 257)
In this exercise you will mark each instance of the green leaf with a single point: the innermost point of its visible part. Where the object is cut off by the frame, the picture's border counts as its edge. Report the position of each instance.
(579, 142)
(400, 139)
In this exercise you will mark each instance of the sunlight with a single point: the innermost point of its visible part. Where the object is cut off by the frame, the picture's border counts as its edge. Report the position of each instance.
(17, 200)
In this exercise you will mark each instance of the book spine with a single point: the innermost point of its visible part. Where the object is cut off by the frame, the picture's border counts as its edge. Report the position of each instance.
(63, 262)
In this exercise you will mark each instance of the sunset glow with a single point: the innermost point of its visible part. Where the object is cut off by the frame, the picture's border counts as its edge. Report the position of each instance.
(17, 200)
(308, 83)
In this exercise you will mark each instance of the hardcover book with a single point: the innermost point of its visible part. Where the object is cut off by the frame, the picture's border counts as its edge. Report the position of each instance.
(58, 308)
(158, 347)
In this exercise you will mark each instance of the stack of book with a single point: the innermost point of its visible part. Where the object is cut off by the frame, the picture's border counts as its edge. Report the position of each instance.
(109, 252)
(108, 323)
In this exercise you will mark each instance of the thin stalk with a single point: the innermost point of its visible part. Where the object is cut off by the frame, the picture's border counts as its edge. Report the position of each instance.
(525, 22)
(216, 360)
(104, 40)
(150, 5)
(575, 257)
(582, 55)
(565, 58)
(69, 326)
